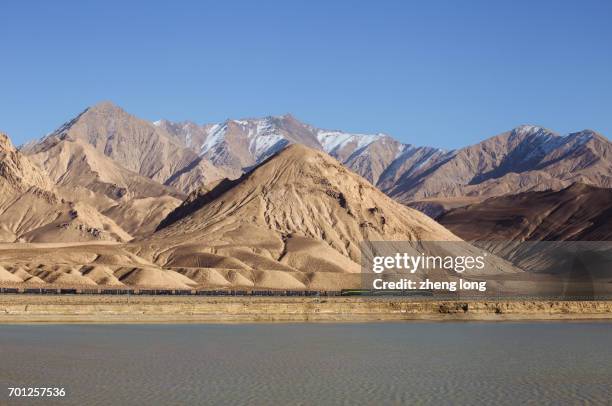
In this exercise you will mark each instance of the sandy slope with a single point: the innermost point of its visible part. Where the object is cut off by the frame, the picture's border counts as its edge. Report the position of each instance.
(300, 211)
(32, 209)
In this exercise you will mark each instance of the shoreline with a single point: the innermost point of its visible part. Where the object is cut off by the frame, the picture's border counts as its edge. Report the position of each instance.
(26, 309)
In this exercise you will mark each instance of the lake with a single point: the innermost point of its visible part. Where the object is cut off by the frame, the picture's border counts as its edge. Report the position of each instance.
(312, 364)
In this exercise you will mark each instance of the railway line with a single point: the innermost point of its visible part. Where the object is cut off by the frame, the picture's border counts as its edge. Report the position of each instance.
(202, 292)
(420, 294)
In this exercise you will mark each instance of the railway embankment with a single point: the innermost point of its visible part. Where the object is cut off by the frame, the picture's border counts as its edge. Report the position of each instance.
(162, 309)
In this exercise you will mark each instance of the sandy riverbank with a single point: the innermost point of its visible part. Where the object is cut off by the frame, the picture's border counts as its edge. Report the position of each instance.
(120, 309)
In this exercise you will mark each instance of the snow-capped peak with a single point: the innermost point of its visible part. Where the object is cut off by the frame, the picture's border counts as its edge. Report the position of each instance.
(528, 128)
(333, 140)
(263, 137)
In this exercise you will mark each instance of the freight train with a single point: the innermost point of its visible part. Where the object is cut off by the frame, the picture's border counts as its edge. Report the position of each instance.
(207, 292)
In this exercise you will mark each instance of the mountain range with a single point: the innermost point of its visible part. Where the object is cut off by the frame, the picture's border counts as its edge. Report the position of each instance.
(185, 155)
(524, 159)
(275, 202)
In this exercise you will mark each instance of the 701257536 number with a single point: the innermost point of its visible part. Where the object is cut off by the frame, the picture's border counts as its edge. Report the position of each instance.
(28, 392)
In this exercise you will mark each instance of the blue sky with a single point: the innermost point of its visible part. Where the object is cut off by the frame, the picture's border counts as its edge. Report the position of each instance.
(441, 73)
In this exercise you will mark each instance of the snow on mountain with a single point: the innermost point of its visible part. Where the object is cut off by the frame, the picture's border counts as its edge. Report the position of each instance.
(263, 134)
(214, 136)
(332, 140)
(263, 138)
(240, 144)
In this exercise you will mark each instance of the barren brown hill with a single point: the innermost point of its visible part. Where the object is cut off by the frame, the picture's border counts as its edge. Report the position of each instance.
(567, 231)
(305, 191)
(17, 170)
(78, 222)
(75, 165)
(84, 266)
(297, 220)
(577, 213)
(31, 210)
(83, 174)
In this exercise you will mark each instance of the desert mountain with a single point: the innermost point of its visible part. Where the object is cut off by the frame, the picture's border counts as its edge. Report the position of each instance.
(31, 210)
(301, 190)
(134, 144)
(74, 164)
(78, 222)
(567, 231)
(298, 218)
(527, 158)
(84, 174)
(577, 213)
(17, 171)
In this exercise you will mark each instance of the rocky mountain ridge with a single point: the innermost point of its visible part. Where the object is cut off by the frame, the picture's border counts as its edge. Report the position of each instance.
(185, 155)
(527, 158)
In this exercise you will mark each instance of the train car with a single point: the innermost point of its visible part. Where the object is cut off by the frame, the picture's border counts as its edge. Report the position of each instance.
(355, 292)
(183, 292)
(152, 292)
(111, 292)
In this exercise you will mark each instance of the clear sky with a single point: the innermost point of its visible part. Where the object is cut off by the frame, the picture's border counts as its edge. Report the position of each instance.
(440, 73)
